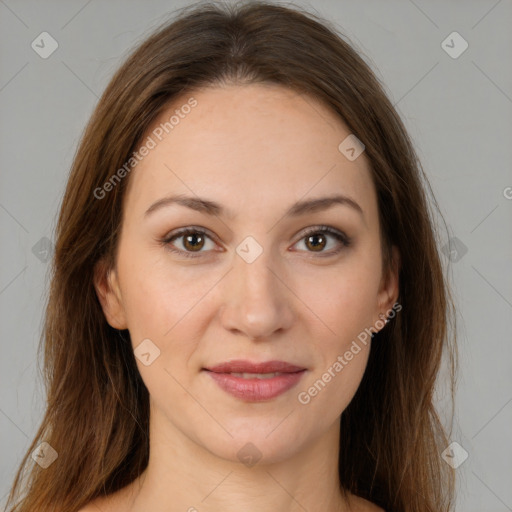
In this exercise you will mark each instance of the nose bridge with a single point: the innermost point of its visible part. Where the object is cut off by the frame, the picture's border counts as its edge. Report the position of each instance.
(256, 301)
(257, 278)
(254, 264)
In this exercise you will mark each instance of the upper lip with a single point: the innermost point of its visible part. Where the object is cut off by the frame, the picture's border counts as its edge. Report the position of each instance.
(241, 366)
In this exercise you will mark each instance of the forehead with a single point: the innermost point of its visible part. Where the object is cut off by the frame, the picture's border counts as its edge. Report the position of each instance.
(248, 146)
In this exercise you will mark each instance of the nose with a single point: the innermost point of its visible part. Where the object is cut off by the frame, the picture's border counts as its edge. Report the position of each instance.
(257, 301)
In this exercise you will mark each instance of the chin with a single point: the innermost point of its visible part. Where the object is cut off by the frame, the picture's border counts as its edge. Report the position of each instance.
(251, 446)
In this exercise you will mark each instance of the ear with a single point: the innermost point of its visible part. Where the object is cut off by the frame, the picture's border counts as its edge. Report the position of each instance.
(389, 287)
(109, 294)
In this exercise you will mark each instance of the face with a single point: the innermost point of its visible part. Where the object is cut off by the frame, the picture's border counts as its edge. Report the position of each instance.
(254, 277)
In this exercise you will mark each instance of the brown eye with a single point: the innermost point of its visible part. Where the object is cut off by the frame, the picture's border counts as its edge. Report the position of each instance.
(193, 241)
(317, 242)
(317, 238)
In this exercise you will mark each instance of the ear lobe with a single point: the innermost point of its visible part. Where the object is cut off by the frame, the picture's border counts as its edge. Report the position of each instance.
(109, 295)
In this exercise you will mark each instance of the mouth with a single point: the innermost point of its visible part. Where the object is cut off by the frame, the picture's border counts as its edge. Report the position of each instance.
(255, 382)
(266, 367)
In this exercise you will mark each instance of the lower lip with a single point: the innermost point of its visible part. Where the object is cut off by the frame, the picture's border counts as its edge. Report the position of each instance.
(256, 390)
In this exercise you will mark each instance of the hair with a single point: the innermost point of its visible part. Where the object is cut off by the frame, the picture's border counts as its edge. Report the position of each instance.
(97, 415)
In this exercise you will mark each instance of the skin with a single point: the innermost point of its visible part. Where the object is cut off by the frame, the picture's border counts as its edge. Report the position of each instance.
(256, 150)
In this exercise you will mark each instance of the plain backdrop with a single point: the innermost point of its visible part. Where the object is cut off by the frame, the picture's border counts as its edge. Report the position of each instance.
(455, 101)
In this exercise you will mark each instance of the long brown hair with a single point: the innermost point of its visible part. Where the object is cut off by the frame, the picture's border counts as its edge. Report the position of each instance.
(97, 404)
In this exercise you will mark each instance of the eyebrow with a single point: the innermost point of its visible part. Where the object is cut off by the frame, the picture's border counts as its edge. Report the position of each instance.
(215, 209)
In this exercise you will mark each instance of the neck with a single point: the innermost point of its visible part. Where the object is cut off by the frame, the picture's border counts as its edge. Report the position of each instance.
(182, 475)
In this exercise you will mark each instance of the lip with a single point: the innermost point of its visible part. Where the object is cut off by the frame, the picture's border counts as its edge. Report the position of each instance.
(242, 366)
(255, 389)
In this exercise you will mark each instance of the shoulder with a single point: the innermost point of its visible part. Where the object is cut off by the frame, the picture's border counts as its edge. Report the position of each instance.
(101, 504)
(118, 501)
(359, 504)
(368, 506)
(115, 503)
(90, 508)
(374, 508)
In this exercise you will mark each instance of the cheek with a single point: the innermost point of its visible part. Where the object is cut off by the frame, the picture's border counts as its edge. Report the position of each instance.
(342, 349)
(343, 299)
(159, 295)
(327, 393)
(161, 307)
(160, 303)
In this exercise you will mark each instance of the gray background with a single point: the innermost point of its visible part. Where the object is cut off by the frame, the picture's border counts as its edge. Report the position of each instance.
(458, 111)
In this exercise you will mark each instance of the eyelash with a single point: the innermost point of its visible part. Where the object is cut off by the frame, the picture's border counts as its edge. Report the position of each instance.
(339, 235)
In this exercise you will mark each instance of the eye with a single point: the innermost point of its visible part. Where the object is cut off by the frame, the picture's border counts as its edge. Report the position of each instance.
(316, 239)
(194, 239)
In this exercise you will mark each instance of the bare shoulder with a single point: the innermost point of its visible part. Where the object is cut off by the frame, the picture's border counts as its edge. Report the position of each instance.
(93, 506)
(90, 507)
(110, 503)
(119, 501)
(371, 507)
(359, 504)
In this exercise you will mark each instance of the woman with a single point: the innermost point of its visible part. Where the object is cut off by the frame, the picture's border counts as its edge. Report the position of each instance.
(247, 308)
